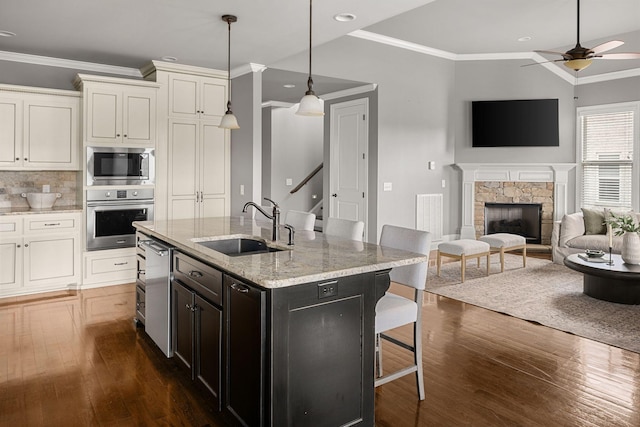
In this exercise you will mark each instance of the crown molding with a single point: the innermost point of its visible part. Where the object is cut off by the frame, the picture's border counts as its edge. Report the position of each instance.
(563, 74)
(182, 68)
(349, 92)
(391, 41)
(70, 64)
(277, 104)
(247, 69)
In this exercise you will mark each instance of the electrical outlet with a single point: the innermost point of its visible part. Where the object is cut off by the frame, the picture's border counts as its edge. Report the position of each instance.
(328, 289)
(46, 188)
(289, 182)
(387, 186)
(242, 189)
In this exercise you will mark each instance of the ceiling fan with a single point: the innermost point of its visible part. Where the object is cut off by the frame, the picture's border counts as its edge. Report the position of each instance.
(579, 58)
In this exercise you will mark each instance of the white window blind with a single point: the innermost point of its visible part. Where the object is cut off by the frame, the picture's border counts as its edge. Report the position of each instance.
(607, 140)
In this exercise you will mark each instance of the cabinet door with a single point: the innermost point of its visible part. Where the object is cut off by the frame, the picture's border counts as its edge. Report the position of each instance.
(183, 168)
(10, 132)
(51, 260)
(214, 164)
(209, 347)
(183, 96)
(139, 117)
(103, 122)
(244, 308)
(213, 98)
(10, 264)
(182, 323)
(51, 133)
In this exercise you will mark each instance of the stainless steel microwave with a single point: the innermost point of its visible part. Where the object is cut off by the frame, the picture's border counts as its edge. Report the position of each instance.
(120, 166)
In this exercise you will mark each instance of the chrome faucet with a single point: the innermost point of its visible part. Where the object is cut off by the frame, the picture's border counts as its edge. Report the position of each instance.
(274, 217)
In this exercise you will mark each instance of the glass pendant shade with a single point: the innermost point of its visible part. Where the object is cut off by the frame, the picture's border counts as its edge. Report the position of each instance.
(577, 64)
(310, 105)
(229, 121)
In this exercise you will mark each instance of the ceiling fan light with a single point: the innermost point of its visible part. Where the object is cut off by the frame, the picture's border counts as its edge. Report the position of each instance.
(229, 121)
(577, 64)
(310, 105)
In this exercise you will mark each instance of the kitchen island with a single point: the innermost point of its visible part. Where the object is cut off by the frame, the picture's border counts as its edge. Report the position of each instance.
(291, 331)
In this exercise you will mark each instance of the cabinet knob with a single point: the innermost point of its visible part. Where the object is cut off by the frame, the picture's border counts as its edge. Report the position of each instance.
(125, 135)
(26, 159)
(334, 195)
(17, 158)
(118, 135)
(18, 246)
(26, 245)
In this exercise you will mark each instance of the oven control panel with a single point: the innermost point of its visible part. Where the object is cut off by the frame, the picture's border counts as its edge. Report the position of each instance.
(104, 195)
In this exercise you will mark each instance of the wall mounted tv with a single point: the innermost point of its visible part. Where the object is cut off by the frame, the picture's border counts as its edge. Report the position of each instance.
(515, 123)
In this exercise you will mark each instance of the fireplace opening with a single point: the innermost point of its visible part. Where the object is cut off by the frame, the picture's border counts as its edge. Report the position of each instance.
(524, 219)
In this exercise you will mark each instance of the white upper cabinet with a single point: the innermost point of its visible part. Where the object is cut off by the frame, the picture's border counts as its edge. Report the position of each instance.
(196, 96)
(39, 130)
(118, 111)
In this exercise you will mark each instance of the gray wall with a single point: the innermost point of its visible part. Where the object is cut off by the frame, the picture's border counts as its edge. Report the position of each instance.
(496, 80)
(294, 151)
(246, 142)
(414, 92)
(610, 92)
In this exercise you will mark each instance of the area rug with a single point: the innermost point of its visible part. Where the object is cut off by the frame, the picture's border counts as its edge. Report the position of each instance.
(543, 292)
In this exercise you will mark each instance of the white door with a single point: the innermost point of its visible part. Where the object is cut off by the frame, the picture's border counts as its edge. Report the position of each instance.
(349, 142)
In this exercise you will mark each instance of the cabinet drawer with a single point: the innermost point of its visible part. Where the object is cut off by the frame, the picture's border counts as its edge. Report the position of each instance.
(10, 227)
(204, 279)
(110, 266)
(53, 222)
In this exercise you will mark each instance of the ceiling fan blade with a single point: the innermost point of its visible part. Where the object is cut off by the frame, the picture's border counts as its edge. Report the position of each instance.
(628, 55)
(553, 52)
(607, 46)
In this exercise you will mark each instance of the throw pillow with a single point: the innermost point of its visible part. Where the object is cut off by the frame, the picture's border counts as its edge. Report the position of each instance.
(594, 221)
(572, 226)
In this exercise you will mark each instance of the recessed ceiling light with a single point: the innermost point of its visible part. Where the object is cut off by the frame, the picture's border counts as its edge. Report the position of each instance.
(345, 17)
(169, 58)
(524, 39)
(289, 86)
(6, 34)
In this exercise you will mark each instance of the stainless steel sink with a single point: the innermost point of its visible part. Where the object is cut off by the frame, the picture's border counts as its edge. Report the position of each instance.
(239, 246)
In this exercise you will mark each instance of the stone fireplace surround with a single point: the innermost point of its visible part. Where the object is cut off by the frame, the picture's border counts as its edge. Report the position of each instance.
(549, 180)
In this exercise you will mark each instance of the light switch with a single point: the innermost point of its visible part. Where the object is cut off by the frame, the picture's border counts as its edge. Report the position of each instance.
(387, 186)
(242, 189)
(444, 183)
(432, 165)
(289, 181)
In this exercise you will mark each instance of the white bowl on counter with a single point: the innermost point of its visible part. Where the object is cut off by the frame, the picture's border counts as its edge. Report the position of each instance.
(41, 200)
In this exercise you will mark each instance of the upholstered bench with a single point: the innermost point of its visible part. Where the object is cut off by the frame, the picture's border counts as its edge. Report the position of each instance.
(463, 249)
(505, 242)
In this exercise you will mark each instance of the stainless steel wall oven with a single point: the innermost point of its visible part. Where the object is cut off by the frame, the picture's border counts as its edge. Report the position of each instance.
(110, 214)
(120, 166)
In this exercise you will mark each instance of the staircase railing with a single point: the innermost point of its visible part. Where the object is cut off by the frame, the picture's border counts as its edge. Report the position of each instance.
(307, 179)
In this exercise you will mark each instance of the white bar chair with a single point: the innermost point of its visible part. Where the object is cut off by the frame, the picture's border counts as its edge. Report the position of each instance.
(345, 228)
(393, 310)
(300, 220)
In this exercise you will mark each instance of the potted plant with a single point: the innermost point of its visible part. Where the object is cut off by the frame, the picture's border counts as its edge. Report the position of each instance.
(627, 227)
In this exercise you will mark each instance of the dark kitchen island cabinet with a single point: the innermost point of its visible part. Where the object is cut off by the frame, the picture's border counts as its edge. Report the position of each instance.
(298, 323)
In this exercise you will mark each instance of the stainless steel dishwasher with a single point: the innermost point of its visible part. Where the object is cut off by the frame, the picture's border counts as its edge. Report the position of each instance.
(158, 293)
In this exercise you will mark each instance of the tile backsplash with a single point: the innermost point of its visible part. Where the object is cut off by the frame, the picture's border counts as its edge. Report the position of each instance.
(14, 183)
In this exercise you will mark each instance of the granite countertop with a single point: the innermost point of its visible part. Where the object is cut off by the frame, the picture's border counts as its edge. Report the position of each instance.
(315, 256)
(25, 210)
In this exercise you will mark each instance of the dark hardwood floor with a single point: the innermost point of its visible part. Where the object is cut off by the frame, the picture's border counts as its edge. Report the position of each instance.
(76, 359)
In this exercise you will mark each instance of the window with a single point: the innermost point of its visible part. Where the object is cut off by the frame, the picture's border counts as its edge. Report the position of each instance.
(607, 146)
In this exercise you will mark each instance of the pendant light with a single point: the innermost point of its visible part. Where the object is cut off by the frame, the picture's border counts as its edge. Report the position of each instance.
(310, 104)
(229, 120)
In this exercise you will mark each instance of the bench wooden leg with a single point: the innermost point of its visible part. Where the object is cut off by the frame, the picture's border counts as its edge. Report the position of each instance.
(502, 260)
(488, 261)
(524, 256)
(438, 261)
(463, 265)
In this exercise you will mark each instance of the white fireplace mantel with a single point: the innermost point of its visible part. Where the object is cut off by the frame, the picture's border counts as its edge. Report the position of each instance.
(558, 173)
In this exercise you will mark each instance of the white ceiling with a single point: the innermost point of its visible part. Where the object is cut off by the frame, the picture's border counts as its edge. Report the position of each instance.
(131, 33)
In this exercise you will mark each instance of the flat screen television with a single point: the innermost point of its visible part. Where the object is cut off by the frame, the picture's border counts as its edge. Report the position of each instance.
(515, 123)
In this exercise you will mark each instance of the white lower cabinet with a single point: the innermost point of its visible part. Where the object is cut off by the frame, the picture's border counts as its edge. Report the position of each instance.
(39, 252)
(112, 267)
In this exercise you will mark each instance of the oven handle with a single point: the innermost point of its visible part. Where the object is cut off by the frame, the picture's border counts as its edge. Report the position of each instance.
(121, 203)
(154, 247)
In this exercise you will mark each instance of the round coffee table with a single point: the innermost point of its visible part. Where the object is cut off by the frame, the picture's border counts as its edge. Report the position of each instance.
(619, 282)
